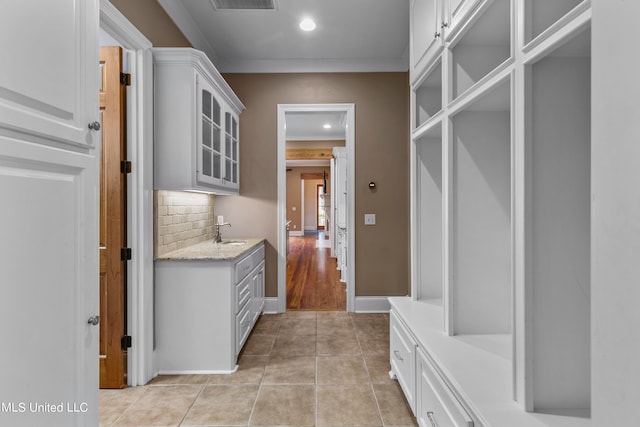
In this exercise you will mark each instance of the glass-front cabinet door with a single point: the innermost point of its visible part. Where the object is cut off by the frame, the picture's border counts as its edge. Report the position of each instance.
(231, 149)
(209, 135)
(196, 125)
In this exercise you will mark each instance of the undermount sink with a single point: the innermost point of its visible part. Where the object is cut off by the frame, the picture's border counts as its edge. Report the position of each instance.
(233, 242)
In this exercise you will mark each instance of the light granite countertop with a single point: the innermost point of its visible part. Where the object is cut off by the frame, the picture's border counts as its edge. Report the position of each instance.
(209, 251)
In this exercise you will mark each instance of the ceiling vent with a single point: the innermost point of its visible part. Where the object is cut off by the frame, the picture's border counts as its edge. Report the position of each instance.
(244, 4)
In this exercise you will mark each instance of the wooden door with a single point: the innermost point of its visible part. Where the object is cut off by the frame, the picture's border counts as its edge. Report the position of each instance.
(113, 229)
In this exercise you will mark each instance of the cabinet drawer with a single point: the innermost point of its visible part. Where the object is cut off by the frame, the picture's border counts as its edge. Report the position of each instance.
(243, 294)
(243, 267)
(436, 404)
(402, 352)
(243, 327)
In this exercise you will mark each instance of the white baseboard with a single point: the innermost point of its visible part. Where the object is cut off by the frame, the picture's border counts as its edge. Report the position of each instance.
(372, 305)
(270, 305)
(296, 233)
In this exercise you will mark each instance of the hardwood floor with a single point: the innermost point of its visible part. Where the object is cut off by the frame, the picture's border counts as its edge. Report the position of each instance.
(313, 282)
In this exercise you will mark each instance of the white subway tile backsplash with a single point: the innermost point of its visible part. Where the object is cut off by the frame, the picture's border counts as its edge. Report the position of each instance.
(181, 219)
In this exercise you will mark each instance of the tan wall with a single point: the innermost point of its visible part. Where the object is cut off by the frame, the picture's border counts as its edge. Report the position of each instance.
(294, 192)
(152, 21)
(382, 155)
(382, 135)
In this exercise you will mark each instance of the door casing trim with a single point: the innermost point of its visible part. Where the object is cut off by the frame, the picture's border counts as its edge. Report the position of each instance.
(137, 48)
(349, 109)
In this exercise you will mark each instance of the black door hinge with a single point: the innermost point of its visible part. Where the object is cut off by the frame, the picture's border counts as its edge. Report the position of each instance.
(125, 166)
(125, 342)
(125, 254)
(125, 79)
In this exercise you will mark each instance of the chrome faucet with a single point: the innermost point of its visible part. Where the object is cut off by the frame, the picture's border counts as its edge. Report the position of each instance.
(218, 237)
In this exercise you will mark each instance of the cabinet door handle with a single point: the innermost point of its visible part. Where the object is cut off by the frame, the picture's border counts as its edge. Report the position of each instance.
(397, 354)
(436, 35)
(432, 419)
(94, 126)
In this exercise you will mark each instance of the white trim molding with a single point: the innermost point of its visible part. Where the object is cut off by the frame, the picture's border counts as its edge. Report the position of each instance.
(372, 305)
(270, 305)
(349, 109)
(141, 357)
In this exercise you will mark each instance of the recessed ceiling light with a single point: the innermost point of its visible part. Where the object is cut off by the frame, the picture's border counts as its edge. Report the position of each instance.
(326, 126)
(307, 24)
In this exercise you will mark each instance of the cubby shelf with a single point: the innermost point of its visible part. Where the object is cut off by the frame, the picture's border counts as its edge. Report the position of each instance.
(481, 215)
(429, 250)
(501, 212)
(484, 46)
(543, 17)
(428, 95)
(558, 193)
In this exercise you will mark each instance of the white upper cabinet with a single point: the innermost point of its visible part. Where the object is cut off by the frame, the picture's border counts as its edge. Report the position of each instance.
(432, 23)
(209, 134)
(196, 124)
(231, 159)
(457, 12)
(426, 33)
(47, 67)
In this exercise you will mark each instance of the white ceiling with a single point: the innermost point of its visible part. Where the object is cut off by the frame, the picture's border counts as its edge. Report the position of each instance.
(309, 126)
(351, 35)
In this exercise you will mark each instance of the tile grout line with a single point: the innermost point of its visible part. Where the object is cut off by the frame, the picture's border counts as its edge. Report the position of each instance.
(273, 344)
(192, 403)
(127, 408)
(364, 362)
(351, 325)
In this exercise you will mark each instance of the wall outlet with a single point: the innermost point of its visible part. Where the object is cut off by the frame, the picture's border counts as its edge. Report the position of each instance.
(369, 219)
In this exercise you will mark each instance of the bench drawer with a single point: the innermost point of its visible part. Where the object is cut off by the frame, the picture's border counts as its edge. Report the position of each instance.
(402, 354)
(436, 404)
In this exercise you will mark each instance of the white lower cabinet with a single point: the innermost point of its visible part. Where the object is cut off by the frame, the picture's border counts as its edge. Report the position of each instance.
(403, 358)
(429, 397)
(436, 406)
(205, 311)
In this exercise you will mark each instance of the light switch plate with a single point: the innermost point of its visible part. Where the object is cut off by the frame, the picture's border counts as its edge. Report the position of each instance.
(369, 219)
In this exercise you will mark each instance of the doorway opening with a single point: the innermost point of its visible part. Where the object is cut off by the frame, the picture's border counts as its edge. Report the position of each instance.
(291, 119)
(116, 30)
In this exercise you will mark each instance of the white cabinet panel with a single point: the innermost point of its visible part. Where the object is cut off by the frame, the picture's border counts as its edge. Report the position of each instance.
(48, 83)
(426, 34)
(436, 404)
(49, 264)
(403, 358)
(458, 12)
(205, 311)
(49, 220)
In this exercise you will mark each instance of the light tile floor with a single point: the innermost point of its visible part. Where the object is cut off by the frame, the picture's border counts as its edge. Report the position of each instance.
(300, 368)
